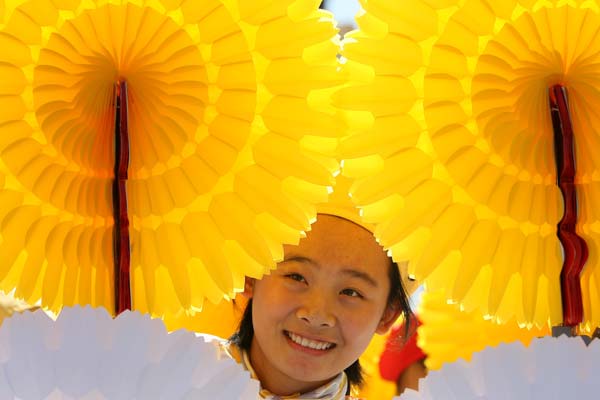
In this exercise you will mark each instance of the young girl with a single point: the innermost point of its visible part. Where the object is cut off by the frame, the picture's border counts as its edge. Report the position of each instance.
(307, 323)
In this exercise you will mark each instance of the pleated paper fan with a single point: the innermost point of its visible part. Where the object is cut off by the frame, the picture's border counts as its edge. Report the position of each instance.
(550, 368)
(453, 151)
(447, 333)
(86, 354)
(224, 145)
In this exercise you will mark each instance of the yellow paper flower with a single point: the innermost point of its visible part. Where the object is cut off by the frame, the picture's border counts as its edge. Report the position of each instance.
(447, 333)
(375, 387)
(453, 145)
(230, 147)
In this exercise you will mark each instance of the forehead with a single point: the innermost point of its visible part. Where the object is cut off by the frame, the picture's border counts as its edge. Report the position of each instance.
(339, 242)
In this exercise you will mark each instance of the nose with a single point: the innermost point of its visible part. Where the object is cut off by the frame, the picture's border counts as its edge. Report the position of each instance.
(316, 311)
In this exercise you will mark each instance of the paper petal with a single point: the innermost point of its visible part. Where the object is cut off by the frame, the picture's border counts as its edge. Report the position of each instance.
(86, 354)
(548, 368)
(448, 333)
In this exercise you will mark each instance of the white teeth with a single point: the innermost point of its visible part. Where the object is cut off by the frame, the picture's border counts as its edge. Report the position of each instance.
(312, 344)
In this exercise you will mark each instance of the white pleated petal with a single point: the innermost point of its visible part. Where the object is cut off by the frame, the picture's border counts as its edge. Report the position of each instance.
(550, 368)
(85, 354)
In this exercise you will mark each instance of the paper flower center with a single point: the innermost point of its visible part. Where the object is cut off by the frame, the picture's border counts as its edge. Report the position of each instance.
(514, 73)
(78, 69)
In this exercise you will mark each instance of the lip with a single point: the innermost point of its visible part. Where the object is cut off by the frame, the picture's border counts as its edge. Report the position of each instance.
(308, 350)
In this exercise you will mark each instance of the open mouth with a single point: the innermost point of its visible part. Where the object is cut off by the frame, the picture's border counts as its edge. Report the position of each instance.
(309, 343)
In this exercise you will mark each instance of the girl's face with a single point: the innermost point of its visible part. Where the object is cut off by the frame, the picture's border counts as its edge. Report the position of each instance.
(316, 314)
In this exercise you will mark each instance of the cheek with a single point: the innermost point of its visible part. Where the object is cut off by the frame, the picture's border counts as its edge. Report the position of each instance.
(264, 322)
(359, 325)
(363, 322)
(270, 305)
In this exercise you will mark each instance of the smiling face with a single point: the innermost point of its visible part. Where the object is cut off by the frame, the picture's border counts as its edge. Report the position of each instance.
(316, 314)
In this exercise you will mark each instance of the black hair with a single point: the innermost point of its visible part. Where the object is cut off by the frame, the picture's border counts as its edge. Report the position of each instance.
(397, 299)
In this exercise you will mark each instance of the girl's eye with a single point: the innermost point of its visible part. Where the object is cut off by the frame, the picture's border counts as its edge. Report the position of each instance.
(352, 293)
(296, 277)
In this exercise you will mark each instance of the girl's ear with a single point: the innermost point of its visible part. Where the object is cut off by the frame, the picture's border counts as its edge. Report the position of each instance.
(248, 288)
(390, 315)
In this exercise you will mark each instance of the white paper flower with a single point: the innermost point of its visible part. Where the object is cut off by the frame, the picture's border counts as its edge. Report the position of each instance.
(550, 368)
(85, 354)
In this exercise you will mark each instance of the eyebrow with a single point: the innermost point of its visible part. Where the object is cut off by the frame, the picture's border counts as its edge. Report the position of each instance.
(360, 275)
(304, 260)
(346, 271)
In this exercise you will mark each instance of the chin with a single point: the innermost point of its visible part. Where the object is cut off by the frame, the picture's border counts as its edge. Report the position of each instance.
(312, 374)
